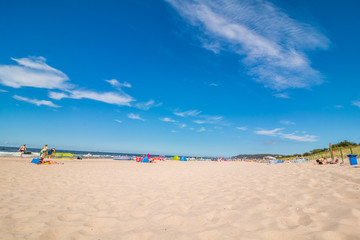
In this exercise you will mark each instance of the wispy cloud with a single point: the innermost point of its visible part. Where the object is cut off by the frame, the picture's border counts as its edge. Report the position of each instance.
(281, 95)
(35, 72)
(36, 102)
(273, 132)
(106, 97)
(242, 128)
(116, 84)
(270, 142)
(3, 91)
(356, 103)
(273, 44)
(199, 121)
(147, 105)
(166, 119)
(286, 122)
(135, 116)
(119, 121)
(190, 113)
(277, 132)
(338, 106)
(202, 129)
(32, 72)
(213, 84)
(205, 119)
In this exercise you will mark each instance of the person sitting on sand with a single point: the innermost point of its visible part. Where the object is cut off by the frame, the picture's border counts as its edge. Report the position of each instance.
(318, 162)
(22, 150)
(321, 161)
(40, 160)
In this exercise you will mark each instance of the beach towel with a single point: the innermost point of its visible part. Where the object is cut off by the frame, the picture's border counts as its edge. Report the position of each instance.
(36, 160)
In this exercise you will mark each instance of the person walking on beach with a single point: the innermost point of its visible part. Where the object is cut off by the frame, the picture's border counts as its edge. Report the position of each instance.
(22, 150)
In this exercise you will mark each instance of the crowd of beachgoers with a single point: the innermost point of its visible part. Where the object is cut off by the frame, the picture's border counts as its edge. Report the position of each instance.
(48, 156)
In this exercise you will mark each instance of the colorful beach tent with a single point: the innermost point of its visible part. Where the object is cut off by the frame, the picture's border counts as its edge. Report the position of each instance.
(183, 159)
(176, 158)
(145, 159)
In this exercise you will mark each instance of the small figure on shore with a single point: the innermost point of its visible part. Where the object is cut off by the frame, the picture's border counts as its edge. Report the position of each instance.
(51, 152)
(22, 150)
(41, 161)
(321, 161)
(89, 155)
(43, 151)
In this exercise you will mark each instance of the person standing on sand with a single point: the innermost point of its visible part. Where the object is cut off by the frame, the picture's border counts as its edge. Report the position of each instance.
(43, 151)
(22, 150)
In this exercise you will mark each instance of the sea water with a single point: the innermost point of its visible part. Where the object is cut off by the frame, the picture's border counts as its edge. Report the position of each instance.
(35, 152)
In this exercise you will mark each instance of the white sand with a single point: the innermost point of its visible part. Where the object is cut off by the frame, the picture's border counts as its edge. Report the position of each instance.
(106, 199)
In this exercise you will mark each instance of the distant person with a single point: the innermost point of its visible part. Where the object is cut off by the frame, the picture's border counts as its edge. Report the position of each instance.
(41, 161)
(43, 151)
(22, 150)
(51, 152)
(89, 155)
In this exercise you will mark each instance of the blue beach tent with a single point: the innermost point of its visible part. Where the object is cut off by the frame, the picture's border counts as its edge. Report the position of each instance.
(183, 159)
(145, 159)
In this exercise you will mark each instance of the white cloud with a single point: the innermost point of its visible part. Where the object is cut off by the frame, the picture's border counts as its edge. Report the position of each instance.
(119, 121)
(36, 102)
(356, 103)
(115, 83)
(273, 44)
(190, 113)
(214, 84)
(147, 105)
(3, 91)
(286, 122)
(199, 121)
(166, 119)
(58, 95)
(202, 129)
(183, 125)
(32, 72)
(277, 132)
(242, 128)
(281, 95)
(216, 127)
(273, 132)
(120, 99)
(205, 119)
(338, 106)
(135, 116)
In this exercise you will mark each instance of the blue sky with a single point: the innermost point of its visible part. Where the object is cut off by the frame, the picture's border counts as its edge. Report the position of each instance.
(215, 78)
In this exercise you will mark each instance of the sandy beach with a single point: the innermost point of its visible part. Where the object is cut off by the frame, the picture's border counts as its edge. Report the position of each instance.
(106, 199)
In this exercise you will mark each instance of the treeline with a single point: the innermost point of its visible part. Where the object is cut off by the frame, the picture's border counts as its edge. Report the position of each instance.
(335, 146)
